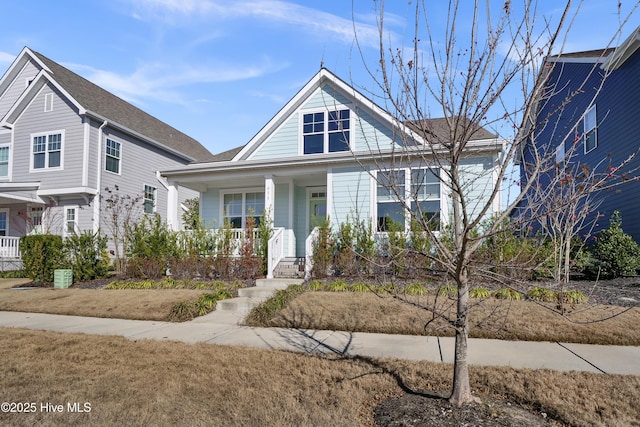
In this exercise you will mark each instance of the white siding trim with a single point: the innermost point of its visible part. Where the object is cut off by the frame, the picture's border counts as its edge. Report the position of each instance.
(329, 192)
(86, 123)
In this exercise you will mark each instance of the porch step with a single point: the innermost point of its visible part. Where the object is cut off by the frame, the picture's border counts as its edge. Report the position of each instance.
(290, 268)
(253, 296)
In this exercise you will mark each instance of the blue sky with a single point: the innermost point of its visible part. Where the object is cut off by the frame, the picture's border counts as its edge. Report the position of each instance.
(218, 70)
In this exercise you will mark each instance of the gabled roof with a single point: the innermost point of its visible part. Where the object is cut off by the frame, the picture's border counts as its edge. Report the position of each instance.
(103, 105)
(437, 130)
(324, 76)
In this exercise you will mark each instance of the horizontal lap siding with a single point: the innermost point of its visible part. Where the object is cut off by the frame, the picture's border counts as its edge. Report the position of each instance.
(300, 219)
(138, 165)
(16, 88)
(370, 134)
(64, 117)
(478, 182)
(351, 195)
(325, 97)
(281, 209)
(283, 143)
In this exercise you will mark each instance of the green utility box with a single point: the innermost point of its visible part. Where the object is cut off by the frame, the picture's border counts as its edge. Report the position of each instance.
(62, 278)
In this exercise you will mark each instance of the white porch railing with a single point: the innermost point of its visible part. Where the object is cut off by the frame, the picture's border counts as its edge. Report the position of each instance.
(9, 247)
(275, 250)
(308, 250)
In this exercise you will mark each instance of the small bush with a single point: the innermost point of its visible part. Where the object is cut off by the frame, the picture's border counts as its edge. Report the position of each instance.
(541, 294)
(315, 285)
(385, 288)
(450, 291)
(571, 297)
(416, 289)
(615, 253)
(479, 292)
(337, 286)
(41, 255)
(508, 294)
(263, 313)
(86, 254)
(359, 287)
(183, 311)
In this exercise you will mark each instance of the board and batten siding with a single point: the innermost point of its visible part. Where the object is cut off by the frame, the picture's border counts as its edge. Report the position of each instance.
(17, 86)
(351, 195)
(34, 120)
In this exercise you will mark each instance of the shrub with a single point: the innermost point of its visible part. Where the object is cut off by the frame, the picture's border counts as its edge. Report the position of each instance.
(86, 254)
(183, 311)
(416, 289)
(263, 313)
(541, 294)
(337, 286)
(450, 291)
(41, 255)
(571, 297)
(151, 245)
(507, 293)
(615, 252)
(479, 292)
(323, 247)
(359, 287)
(315, 285)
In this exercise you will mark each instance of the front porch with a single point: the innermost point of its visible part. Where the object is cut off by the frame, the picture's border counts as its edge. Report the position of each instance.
(10, 259)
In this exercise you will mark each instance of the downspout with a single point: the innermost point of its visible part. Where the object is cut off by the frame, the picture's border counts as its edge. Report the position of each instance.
(96, 198)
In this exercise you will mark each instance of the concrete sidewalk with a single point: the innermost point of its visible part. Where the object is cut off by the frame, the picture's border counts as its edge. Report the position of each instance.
(222, 329)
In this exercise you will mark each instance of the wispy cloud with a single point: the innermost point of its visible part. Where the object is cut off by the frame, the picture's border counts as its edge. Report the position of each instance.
(301, 17)
(6, 57)
(165, 82)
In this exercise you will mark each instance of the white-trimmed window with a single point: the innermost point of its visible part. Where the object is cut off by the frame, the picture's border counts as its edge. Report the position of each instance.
(70, 220)
(46, 150)
(4, 161)
(48, 102)
(418, 189)
(149, 199)
(590, 130)
(4, 223)
(238, 206)
(112, 156)
(326, 131)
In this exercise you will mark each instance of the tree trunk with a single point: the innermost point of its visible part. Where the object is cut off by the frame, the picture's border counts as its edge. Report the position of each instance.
(461, 393)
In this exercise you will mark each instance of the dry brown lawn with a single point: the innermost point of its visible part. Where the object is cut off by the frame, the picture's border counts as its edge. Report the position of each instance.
(165, 383)
(140, 304)
(509, 320)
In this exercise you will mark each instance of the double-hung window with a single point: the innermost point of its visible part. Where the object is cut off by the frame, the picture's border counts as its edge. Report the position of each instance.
(70, 221)
(242, 205)
(402, 189)
(112, 156)
(3, 223)
(149, 199)
(4, 161)
(590, 130)
(326, 131)
(47, 150)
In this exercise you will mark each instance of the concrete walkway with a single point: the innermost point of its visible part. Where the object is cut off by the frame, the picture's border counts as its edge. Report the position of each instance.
(223, 329)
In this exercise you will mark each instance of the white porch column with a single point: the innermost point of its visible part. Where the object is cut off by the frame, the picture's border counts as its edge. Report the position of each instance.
(269, 196)
(173, 207)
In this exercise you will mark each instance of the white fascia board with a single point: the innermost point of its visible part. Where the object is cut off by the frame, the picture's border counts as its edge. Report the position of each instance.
(34, 88)
(306, 91)
(68, 191)
(623, 52)
(17, 186)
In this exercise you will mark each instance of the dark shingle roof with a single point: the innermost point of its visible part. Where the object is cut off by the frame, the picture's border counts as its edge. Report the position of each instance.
(97, 100)
(226, 155)
(596, 53)
(437, 130)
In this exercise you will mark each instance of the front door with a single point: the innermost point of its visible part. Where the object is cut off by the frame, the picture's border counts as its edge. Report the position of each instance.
(317, 210)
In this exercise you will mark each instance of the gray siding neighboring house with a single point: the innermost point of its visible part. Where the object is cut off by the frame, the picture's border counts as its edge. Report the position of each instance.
(63, 140)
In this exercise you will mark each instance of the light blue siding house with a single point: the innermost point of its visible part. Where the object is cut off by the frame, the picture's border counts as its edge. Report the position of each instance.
(321, 156)
(63, 140)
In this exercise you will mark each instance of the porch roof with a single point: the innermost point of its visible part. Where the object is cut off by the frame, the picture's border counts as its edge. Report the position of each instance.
(23, 192)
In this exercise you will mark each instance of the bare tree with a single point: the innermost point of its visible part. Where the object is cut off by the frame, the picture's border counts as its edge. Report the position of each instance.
(482, 72)
(121, 212)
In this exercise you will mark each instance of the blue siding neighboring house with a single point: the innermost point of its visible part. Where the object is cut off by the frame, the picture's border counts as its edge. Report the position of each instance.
(63, 140)
(318, 159)
(593, 113)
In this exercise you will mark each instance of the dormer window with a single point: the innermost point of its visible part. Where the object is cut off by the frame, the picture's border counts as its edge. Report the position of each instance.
(326, 131)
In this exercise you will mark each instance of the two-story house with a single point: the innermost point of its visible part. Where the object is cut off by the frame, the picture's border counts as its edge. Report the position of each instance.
(64, 140)
(588, 121)
(327, 154)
